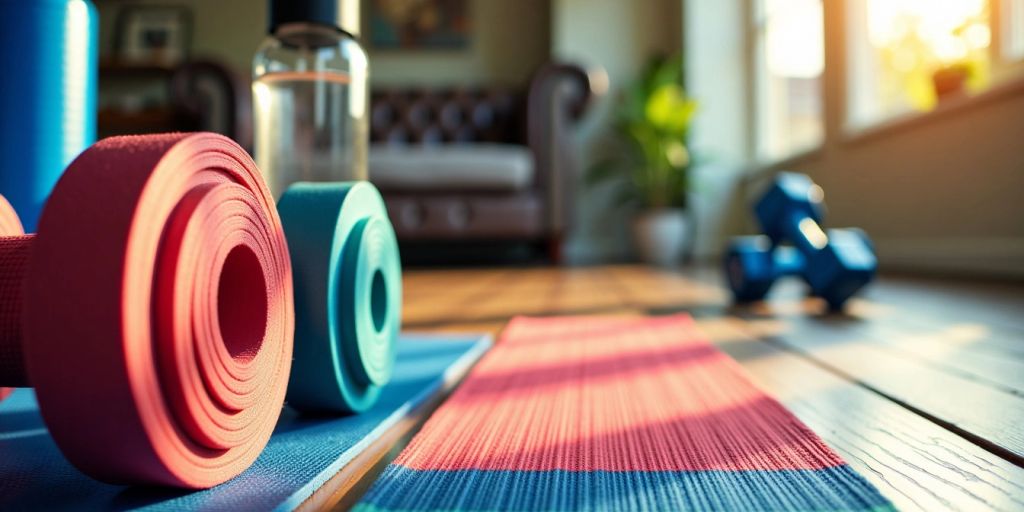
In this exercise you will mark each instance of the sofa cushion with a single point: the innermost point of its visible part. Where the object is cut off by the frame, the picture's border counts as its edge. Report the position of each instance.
(452, 217)
(465, 167)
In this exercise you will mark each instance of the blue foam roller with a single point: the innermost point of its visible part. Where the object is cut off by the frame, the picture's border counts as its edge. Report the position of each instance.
(348, 294)
(47, 96)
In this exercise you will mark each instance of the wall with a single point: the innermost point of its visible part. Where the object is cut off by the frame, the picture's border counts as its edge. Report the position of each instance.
(228, 29)
(509, 40)
(945, 194)
(714, 49)
(621, 37)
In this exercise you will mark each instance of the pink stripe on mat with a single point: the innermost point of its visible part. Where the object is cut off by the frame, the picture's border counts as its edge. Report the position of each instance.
(614, 394)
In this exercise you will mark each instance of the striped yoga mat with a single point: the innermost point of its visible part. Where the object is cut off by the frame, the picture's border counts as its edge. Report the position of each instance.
(614, 413)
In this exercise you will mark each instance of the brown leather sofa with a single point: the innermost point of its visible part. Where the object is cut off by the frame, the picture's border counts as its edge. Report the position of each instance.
(484, 166)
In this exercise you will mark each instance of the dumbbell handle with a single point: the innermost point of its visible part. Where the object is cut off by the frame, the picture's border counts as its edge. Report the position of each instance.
(788, 261)
(804, 233)
(14, 256)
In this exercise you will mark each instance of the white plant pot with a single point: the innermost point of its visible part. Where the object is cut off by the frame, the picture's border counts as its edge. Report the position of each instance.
(661, 236)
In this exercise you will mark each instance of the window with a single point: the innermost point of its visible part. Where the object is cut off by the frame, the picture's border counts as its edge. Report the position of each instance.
(906, 55)
(789, 57)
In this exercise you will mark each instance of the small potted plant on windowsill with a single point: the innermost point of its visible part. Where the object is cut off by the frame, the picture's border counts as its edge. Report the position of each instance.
(954, 80)
(648, 161)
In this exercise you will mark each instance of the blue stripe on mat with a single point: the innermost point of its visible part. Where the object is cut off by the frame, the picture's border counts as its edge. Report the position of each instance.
(838, 488)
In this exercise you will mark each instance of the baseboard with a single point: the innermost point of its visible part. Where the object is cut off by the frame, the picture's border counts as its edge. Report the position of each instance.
(597, 250)
(993, 257)
(988, 256)
(996, 257)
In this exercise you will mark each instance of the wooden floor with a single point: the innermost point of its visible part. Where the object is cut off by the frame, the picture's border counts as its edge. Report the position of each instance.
(919, 386)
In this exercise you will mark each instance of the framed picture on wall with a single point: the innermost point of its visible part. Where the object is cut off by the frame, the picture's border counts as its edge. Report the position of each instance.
(153, 34)
(419, 24)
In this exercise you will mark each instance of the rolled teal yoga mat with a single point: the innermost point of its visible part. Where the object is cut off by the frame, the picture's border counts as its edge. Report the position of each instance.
(348, 294)
(302, 455)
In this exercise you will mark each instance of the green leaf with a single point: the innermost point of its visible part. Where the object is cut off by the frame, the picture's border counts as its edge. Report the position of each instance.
(670, 110)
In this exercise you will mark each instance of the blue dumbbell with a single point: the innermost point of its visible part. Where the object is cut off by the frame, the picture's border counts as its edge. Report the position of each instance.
(839, 262)
(752, 264)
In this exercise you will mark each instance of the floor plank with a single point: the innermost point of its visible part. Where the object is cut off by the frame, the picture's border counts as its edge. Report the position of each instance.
(915, 463)
(919, 363)
(976, 323)
(994, 304)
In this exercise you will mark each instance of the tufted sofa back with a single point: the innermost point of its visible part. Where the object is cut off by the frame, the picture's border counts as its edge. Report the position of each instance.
(447, 115)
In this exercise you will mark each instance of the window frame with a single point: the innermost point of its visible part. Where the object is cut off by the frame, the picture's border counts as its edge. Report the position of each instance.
(1002, 62)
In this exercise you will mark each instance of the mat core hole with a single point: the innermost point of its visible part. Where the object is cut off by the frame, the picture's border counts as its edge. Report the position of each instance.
(242, 304)
(378, 300)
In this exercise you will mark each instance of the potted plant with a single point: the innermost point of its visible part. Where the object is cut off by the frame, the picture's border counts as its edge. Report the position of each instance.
(649, 162)
(952, 80)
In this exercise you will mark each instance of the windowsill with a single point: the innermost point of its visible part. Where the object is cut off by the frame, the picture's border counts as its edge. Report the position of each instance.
(1010, 87)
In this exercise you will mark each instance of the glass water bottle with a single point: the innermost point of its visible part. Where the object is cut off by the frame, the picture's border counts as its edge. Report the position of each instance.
(310, 94)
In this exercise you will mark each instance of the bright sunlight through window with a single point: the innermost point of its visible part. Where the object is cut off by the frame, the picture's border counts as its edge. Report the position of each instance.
(789, 60)
(907, 55)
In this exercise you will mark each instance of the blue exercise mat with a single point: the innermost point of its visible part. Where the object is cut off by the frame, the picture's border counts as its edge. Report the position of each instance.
(302, 455)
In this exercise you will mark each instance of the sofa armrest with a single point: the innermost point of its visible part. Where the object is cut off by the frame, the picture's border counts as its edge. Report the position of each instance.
(559, 95)
(216, 97)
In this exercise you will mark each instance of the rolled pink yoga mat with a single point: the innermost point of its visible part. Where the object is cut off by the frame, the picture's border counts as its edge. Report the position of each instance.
(154, 310)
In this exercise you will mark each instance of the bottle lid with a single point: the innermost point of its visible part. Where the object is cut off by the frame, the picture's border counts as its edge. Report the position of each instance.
(341, 14)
